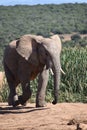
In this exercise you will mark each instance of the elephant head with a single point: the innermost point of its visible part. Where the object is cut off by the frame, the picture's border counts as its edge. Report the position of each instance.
(45, 51)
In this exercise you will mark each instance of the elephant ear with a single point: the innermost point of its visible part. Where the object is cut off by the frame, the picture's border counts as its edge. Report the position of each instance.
(27, 48)
(24, 46)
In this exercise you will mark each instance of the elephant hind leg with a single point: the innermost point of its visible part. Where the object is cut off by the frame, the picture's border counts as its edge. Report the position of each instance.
(24, 76)
(12, 83)
(26, 93)
(26, 90)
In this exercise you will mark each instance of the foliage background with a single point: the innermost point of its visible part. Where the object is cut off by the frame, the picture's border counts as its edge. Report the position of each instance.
(43, 20)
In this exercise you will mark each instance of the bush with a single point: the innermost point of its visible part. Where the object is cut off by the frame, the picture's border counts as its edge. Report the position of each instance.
(75, 37)
(83, 42)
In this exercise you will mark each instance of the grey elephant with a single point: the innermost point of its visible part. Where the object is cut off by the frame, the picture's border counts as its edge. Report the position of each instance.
(28, 57)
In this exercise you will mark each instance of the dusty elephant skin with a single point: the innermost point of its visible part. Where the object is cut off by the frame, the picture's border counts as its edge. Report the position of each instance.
(28, 57)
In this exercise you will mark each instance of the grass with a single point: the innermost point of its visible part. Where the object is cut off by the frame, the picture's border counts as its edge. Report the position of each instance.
(74, 63)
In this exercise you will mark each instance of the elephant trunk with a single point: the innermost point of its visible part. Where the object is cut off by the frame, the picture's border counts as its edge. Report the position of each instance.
(56, 71)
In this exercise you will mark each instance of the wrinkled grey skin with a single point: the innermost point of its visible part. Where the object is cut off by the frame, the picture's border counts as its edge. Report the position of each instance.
(28, 57)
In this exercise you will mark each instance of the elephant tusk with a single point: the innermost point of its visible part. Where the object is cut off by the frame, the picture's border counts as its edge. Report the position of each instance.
(51, 71)
(62, 71)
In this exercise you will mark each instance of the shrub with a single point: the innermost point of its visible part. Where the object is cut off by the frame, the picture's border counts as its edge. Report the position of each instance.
(75, 37)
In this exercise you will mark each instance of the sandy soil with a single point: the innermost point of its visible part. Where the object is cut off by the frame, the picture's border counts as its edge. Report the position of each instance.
(63, 116)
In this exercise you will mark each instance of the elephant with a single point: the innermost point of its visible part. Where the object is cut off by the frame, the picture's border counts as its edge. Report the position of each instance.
(28, 57)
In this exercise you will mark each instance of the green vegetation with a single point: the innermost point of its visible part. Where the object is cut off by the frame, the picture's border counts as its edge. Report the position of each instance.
(76, 41)
(74, 63)
(42, 20)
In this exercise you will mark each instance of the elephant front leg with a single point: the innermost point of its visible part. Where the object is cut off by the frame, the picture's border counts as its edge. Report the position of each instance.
(26, 93)
(42, 83)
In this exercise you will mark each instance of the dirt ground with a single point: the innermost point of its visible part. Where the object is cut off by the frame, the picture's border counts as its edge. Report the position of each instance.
(63, 116)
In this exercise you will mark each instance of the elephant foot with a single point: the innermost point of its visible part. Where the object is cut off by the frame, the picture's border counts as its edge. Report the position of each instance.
(41, 104)
(10, 102)
(21, 101)
(16, 100)
(13, 101)
(16, 103)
